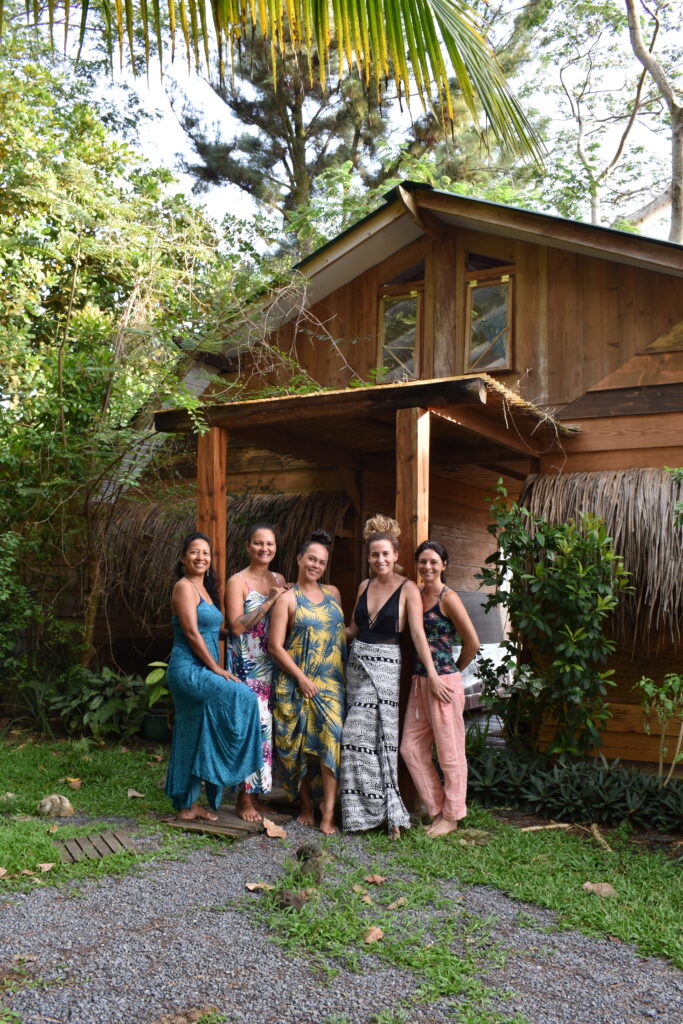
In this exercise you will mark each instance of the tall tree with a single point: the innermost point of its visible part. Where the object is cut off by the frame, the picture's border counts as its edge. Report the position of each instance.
(666, 75)
(419, 45)
(103, 269)
(290, 130)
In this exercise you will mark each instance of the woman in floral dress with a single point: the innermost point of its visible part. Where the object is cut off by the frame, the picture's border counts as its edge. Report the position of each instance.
(250, 597)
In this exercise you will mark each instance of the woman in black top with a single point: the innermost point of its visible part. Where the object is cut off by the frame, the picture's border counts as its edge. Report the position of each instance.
(369, 745)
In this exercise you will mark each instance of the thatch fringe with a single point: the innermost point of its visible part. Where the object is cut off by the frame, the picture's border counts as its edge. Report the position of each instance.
(142, 544)
(636, 506)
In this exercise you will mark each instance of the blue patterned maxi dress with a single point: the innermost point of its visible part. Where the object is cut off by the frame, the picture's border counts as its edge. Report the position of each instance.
(217, 733)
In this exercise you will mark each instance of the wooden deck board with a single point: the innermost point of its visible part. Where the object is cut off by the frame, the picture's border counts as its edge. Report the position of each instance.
(93, 847)
(228, 823)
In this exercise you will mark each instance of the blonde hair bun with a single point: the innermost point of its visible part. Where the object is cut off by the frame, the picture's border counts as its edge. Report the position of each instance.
(381, 524)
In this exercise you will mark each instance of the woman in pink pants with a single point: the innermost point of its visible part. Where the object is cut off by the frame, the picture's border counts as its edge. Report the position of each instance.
(432, 718)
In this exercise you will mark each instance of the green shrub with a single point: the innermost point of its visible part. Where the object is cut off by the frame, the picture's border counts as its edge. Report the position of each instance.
(101, 703)
(581, 791)
(559, 585)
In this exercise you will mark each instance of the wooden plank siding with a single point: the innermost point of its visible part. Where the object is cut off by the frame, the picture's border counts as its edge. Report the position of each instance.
(620, 442)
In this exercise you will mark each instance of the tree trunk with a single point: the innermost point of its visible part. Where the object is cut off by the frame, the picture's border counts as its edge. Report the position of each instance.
(676, 233)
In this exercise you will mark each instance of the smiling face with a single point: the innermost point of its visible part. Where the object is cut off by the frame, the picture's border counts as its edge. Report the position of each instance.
(312, 563)
(382, 557)
(197, 558)
(261, 547)
(430, 565)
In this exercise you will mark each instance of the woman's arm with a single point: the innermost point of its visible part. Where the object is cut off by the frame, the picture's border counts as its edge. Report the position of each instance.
(239, 620)
(184, 604)
(277, 634)
(455, 610)
(352, 630)
(415, 613)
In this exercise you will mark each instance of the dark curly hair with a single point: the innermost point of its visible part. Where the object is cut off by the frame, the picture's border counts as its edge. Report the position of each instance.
(210, 581)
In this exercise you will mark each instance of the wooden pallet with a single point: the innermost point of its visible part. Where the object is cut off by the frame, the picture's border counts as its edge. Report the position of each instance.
(228, 824)
(93, 847)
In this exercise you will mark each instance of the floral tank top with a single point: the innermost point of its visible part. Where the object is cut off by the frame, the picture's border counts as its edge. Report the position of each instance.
(442, 637)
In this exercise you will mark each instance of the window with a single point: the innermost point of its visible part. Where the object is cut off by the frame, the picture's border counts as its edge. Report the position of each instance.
(489, 317)
(399, 334)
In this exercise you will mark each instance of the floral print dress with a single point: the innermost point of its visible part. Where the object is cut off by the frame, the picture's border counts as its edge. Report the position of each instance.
(252, 664)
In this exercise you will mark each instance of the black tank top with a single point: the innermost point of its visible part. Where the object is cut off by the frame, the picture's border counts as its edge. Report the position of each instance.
(384, 627)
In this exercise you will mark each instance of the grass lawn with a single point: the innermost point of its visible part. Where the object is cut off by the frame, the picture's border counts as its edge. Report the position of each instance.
(31, 769)
(432, 936)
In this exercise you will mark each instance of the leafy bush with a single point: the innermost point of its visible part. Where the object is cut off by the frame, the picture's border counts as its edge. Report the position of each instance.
(102, 703)
(581, 791)
(559, 585)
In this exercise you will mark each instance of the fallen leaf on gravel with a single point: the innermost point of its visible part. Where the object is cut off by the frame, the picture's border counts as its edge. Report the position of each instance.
(375, 879)
(25, 871)
(397, 903)
(24, 958)
(600, 888)
(134, 793)
(273, 830)
(3, 872)
(358, 888)
(373, 934)
(258, 887)
(46, 867)
(366, 899)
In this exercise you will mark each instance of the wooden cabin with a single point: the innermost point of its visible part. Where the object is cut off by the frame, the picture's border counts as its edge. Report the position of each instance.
(490, 343)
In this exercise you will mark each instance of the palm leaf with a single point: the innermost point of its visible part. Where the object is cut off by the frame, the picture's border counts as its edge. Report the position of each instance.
(425, 45)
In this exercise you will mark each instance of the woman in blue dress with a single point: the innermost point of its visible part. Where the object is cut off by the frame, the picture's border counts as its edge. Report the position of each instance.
(217, 732)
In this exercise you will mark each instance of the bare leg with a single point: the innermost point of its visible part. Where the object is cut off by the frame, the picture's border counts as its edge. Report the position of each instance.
(306, 815)
(394, 832)
(246, 808)
(442, 827)
(327, 825)
(194, 812)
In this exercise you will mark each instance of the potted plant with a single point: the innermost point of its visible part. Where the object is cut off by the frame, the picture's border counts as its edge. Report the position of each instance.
(156, 724)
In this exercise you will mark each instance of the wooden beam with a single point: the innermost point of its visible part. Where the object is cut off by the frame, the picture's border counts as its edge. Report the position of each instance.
(412, 481)
(492, 430)
(212, 491)
(328, 404)
(635, 401)
(427, 221)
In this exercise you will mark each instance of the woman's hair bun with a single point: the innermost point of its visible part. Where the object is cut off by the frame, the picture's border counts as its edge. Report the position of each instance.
(321, 537)
(381, 524)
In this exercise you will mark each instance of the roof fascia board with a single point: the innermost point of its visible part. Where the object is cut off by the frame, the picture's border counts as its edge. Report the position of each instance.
(584, 239)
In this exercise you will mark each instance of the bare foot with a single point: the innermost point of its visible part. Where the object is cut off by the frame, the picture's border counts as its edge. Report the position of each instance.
(246, 808)
(395, 832)
(442, 827)
(194, 812)
(328, 827)
(435, 820)
(306, 815)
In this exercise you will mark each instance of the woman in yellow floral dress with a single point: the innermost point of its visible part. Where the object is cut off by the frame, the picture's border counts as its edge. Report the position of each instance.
(307, 641)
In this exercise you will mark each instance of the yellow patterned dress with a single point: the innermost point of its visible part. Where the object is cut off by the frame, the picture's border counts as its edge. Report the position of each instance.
(308, 730)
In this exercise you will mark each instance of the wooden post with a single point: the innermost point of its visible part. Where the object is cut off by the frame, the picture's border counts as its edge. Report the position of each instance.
(212, 500)
(412, 513)
(412, 481)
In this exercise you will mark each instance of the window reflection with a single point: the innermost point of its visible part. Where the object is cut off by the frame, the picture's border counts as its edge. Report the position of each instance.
(489, 345)
(400, 317)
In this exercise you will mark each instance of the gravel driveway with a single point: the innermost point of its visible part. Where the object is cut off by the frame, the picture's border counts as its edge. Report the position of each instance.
(163, 944)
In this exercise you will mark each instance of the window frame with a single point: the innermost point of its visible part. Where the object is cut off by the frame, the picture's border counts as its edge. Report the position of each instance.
(493, 275)
(405, 290)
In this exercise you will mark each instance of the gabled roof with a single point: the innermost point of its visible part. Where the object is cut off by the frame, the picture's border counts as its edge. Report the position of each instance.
(413, 209)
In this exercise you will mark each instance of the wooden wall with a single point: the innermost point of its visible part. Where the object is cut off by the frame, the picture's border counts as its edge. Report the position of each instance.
(577, 318)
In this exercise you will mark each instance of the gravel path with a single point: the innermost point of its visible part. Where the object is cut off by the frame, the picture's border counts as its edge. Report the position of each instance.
(163, 943)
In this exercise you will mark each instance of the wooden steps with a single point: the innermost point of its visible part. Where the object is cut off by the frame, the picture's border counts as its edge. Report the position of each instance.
(228, 824)
(93, 847)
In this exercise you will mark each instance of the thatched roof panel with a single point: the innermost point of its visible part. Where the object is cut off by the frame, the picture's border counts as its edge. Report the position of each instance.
(636, 506)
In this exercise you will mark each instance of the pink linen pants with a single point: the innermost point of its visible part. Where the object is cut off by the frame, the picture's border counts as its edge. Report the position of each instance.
(428, 721)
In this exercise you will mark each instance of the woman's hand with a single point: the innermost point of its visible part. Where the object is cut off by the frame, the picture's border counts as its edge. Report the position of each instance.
(308, 688)
(276, 592)
(439, 688)
(229, 675)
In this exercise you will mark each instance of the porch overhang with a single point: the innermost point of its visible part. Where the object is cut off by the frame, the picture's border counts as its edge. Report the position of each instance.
(422, 427)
